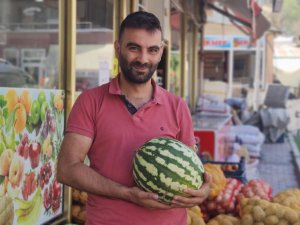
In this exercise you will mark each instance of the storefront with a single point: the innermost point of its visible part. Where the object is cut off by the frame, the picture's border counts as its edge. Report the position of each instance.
(229, 65)
(56, 49)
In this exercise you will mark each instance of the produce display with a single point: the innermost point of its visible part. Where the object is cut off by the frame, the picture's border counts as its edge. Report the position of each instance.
(256, 188)
(195, 216)
(218, 179)
(224, 202)
(31, 131)
(250, 203)
(222, 219)
(166, 166)
(78, 206)
(290, 198)
(231, 169)
(231, 201)
(257, 211)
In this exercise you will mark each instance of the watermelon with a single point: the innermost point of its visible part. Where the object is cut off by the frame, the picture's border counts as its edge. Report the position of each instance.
(166, 166)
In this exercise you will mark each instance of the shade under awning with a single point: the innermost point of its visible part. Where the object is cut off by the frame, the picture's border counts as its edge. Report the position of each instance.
(245, 14)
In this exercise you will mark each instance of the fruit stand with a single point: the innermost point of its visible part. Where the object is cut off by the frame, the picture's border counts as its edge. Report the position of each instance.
(235, 199)
(31, 131)
(232, 202)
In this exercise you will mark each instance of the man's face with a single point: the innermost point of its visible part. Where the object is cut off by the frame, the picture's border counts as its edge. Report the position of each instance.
(139, 52)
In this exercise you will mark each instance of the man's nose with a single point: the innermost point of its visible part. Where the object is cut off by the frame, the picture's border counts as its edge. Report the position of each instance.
(143, 56)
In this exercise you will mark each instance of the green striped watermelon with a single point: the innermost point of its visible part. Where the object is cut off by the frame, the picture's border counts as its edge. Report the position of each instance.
(166, 166)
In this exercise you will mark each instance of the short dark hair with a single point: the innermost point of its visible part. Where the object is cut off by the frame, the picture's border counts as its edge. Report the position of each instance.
(140, 20)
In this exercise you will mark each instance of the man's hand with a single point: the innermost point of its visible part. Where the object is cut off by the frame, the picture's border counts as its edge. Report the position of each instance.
(146, 199)
(196, 197)
(150, 200)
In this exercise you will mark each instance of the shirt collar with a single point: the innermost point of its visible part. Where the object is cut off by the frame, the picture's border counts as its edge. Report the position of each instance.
(114, 88)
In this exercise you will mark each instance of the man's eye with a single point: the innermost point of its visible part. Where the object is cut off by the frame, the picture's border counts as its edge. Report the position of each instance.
(153, 51)
(133, 48)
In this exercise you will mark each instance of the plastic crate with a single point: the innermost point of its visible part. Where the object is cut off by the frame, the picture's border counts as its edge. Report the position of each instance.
(231, 169)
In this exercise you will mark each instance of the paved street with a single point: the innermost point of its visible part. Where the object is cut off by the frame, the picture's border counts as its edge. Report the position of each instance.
(277, 167)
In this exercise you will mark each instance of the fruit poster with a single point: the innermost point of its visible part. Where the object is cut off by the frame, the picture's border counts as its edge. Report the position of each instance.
(31, 132)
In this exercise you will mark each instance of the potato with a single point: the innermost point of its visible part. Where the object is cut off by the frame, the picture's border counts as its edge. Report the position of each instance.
(271, 220)
(280, 212)
(75, 194)
(290, 198)
(253, 201)
(247, 219)
(233, 220)
(259, 223)
(213, 222)
(258, 213)
(283, 222)
(83, 197)
(195, 219)
(197, 210)
(264, 204)
(75, 210)
(189, 219)
(82, 215)
(226, 220)
(271, 209)
(291, 215)
(247, 209)
(244, 202)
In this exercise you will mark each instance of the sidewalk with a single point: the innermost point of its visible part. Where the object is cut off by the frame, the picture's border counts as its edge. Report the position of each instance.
(277, 166)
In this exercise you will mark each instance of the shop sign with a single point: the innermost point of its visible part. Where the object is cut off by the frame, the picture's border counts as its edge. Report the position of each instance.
(242, 42)
(217, 42)
(30, 11)
(31, 132)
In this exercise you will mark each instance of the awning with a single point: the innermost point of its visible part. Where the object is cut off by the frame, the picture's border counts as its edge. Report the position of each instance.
(245, 14)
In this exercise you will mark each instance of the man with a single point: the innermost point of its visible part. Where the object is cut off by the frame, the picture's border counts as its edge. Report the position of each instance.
(109, 123)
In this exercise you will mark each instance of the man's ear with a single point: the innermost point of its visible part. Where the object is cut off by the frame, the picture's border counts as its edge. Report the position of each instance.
(117, 48)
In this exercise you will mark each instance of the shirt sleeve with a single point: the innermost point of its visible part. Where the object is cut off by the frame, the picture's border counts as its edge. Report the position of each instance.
(186, 133)
(81, 118)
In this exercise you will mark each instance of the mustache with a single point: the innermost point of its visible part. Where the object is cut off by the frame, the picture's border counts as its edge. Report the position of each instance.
(141, 65)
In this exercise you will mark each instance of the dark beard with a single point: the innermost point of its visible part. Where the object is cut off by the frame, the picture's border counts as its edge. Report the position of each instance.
(134, 77)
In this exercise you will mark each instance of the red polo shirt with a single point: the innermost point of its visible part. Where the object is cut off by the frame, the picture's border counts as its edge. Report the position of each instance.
(101, 114)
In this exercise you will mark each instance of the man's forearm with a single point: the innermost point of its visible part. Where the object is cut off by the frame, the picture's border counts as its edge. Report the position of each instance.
(86, 179)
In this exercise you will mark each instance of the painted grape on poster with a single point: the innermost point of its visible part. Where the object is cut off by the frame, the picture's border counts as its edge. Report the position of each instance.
(31, 132)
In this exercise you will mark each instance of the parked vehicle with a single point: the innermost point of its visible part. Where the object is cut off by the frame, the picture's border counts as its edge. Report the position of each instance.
(13, 76)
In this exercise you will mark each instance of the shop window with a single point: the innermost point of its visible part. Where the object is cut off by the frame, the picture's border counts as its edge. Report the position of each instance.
(94, 49)
(29, 33)
(242, 72)
(11, 55)
(32, 118)
(215, 66)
